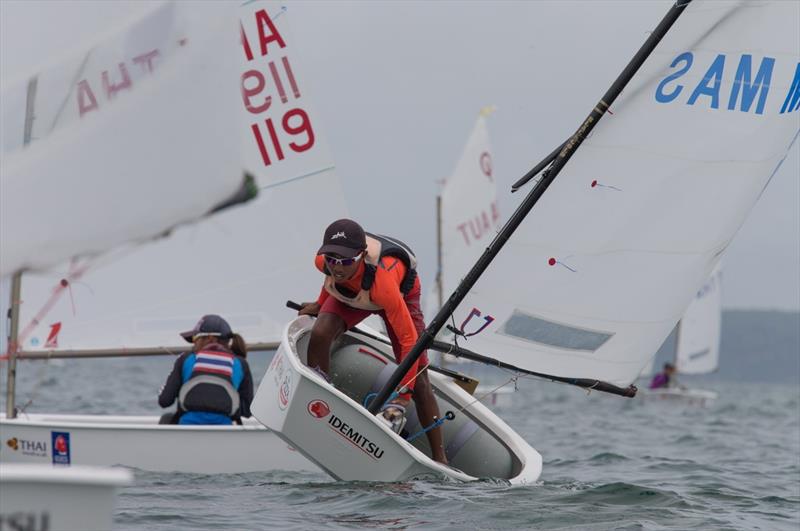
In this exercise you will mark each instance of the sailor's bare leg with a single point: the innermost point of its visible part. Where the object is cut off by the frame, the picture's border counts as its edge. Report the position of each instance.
(327, 327)
(428, 412)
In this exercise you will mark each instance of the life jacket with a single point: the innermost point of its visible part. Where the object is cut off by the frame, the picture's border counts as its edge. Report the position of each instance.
(211, 380)
(660, 381)
(378, 247)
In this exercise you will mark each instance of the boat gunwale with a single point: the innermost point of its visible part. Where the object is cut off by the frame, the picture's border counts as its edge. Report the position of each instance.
(16, 474)
(120, 422)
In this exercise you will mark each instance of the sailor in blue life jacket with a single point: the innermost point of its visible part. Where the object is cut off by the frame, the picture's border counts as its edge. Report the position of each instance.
(212, 384)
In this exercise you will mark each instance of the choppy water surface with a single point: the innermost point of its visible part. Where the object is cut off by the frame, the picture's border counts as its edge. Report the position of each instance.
(609, 463)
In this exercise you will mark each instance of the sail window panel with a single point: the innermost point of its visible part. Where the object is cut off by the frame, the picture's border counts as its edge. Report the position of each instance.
(537, 330)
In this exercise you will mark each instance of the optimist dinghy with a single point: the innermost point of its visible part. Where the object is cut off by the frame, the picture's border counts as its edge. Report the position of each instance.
(328, 423)
(697, 344)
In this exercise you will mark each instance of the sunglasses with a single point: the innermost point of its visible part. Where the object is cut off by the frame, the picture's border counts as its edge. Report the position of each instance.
(342, 261)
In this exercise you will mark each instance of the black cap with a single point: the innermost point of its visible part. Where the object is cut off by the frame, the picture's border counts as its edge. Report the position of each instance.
(343, 237)
(209, 325)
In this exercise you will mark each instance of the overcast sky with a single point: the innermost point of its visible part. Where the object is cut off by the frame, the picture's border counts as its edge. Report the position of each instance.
(398, 87)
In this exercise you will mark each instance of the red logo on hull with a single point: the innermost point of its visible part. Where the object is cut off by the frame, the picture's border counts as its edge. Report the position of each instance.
(318, 409)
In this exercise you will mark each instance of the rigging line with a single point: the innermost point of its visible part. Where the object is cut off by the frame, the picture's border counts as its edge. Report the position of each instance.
(299, 177)
(480, 398)
(248, 2)
(535, 377)
(415, 376)
(455, 334)
(63, 284)
(72, 86)
(36, 387)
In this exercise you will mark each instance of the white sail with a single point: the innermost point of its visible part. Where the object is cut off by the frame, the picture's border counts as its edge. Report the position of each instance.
(648, 369)
(132, 137)
(469, 214)
(244, 262)
(611, 255)
(697, 349)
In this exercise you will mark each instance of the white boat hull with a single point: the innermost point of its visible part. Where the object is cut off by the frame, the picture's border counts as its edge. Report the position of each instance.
(333, 429)
(140, 442)
(58, 498)
(688, 396)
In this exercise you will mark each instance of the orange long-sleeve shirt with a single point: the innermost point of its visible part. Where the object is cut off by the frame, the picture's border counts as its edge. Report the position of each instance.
(385, 292)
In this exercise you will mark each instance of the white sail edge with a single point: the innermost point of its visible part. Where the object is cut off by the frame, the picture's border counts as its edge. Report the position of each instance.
(697, 349)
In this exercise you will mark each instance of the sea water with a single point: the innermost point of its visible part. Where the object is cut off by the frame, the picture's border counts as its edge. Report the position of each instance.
(609, 462)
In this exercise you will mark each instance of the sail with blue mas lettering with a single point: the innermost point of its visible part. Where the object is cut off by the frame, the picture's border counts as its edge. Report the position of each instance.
(698, 337)
(607, 261)
(243, 262)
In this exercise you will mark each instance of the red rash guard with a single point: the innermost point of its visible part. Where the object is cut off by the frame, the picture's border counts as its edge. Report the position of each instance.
(385, 292)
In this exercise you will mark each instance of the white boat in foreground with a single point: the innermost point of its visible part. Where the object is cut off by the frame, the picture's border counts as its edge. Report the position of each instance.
(329, 425)
(141, 442)
(40, 497)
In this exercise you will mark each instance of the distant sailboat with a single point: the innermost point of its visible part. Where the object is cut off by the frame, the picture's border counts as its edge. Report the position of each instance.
(606, 251)
(697, 341)
(467, 215)
(467, 218)
(698, 336)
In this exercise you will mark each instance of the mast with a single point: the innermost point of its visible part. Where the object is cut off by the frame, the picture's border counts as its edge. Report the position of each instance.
(428, 335)
(439, 275)
(16, 279)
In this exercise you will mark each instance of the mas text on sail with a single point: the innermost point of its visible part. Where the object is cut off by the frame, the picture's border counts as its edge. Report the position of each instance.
(737, 83)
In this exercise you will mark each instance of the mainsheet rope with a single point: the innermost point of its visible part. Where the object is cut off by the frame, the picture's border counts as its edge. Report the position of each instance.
(451, 416)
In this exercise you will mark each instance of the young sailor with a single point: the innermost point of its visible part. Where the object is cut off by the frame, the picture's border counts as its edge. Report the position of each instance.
(367, 274)
(663, 379)
(212, 384)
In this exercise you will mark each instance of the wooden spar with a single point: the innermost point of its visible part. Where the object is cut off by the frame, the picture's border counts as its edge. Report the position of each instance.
(16, 279)
(124, 352)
